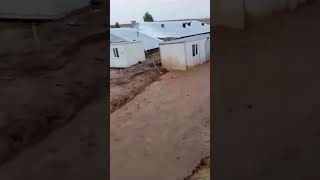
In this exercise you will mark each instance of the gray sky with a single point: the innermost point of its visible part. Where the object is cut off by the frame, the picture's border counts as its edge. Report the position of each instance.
(124, 11)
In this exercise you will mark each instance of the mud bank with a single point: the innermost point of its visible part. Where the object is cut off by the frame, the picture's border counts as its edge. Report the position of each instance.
(127, 83)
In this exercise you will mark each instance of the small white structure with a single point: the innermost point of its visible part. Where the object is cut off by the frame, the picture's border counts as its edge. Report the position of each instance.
(126, 54)
(173, 29)
(39, 9)
(131, 35)
(184, 53)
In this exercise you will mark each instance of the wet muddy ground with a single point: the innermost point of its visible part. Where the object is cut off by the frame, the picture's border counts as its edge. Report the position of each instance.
(46, 81)
(165, 128)
(125, 84)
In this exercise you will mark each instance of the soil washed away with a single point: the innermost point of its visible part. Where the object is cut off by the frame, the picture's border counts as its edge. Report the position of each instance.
(125, 84)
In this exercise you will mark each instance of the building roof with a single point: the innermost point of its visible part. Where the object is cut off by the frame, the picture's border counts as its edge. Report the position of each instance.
(205, 20)
(188, 39)
(130, 35)
(173, 29)
(126, 42)
(131, 25)
(115, 39)
(122, 26)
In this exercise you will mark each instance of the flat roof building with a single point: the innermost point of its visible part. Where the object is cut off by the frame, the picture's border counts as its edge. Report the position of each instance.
(126, 54)
(184, 53)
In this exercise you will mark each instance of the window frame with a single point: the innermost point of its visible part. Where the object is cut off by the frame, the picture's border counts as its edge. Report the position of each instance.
(194, 50)
(115, 52)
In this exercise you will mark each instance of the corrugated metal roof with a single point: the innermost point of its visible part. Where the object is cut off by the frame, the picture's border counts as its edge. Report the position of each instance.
(188, 39)
(116, 39)
(130, 34)
(173, 29)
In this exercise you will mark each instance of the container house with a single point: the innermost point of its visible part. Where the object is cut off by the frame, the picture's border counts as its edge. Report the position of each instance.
(185, 53)
(126, 54)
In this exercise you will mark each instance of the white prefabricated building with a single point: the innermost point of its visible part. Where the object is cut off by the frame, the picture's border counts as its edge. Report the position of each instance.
(126, 54)
(185, 53)
(39, 9)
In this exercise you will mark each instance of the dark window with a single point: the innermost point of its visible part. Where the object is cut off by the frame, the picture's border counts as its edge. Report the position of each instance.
(196, 49)
(193, 50)
(184, 25)
(115, 52)
(202, 24)
(162, 25)
(189, 24)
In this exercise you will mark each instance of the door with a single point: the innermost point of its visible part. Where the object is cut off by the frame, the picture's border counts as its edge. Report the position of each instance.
(192, 53)
(195, 54)
(202, 51)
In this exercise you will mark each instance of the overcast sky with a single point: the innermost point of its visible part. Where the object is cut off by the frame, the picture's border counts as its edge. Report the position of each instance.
(124, 11)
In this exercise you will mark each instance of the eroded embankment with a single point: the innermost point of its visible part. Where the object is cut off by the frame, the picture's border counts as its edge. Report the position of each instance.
(126, 84)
